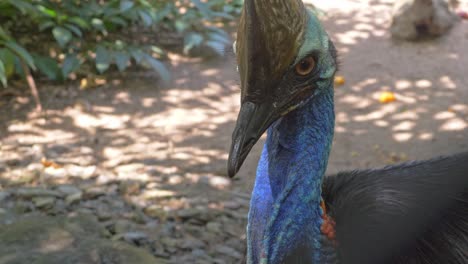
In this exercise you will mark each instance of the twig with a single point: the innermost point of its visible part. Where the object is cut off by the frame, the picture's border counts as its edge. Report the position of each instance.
(32, 85)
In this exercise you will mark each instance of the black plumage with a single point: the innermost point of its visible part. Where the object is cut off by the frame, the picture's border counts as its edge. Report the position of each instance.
(410, 213)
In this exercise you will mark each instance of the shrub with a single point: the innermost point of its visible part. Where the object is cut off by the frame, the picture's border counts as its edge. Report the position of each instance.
(59, 38)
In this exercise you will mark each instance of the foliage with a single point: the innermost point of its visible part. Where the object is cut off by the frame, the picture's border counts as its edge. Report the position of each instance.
(58, 39)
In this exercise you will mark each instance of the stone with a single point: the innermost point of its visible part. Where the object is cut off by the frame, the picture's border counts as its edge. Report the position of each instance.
(156, 211)
(57, 240)
(74, 198)
(228, 251)
(192, 243)
(68, 189)
(129, 187)
(4, 195)
(27, 193)
(83, 172)
(44, 202)
(415, 19)
(94, 192)
(122, 226)
(213, 227)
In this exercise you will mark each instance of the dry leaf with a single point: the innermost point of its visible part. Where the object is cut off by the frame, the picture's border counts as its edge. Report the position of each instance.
(49, 163)
(339, 80)
(387, 97)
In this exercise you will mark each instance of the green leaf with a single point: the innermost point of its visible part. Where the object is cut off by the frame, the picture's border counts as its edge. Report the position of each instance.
(103, 59)
(217, 47)
(3, 78)
(191, 41)
(21, 53)
(47, 11)
(203, 8)
(125, 5)
(70, 64)
(79, 22)
(118, 21)
(145, 17)
(23, 6)
(159, 67)
(137, 54)
(98, 24)
(8, 59)
(46, 25)
(219, 38)
(62, 35)
(48, 67)
(121, 60)
(76, 30)
(4, 35)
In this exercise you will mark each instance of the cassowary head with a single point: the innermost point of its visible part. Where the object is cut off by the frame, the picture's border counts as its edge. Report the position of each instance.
(285, 58)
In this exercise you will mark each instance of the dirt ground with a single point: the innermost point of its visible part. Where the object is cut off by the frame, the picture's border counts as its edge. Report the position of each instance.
(163, 150)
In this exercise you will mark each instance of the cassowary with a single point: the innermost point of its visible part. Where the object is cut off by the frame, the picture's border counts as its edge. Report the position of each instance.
(411, 213)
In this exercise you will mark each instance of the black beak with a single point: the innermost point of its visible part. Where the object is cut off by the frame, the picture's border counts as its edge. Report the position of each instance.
(252, 121)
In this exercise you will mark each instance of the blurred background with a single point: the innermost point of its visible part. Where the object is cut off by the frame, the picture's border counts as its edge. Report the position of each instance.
(116, 118)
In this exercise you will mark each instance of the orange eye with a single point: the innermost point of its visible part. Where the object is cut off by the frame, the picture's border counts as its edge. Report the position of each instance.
(305, 66)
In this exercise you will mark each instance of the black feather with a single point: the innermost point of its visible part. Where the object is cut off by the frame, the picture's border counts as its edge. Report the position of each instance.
(410, 213)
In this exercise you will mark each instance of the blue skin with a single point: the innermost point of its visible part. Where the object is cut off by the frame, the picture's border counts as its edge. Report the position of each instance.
(285, 207)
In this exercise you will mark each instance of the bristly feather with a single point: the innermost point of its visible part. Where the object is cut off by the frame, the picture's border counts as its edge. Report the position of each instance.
(411, 213)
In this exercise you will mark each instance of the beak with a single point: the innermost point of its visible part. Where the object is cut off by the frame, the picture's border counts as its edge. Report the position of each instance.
(252, 122)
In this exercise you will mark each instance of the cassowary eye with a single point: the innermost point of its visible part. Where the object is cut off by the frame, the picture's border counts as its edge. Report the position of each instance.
(305, 66)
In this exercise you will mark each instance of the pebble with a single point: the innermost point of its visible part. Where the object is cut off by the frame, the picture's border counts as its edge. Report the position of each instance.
(44, 202)
(74, 198)
(129, 187)
(27, 193)
(94, 192)
(68, 189)
(228, 251)
(213, 227)
(4, 196)
(156, 211)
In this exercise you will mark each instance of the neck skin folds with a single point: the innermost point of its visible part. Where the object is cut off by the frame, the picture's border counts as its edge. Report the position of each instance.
(285, 206)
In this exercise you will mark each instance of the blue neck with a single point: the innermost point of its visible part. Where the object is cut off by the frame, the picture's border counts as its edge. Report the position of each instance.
(285, 206)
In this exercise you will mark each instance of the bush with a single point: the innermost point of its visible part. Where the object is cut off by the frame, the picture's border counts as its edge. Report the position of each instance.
(59, 39)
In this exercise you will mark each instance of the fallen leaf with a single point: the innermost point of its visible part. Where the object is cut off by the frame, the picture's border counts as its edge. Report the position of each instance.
(387, 97)
(48, 163)
(339, 80)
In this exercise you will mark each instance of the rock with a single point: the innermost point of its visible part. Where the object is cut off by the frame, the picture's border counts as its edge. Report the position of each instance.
(216, 181)
(228, 251)
(131, 237)
(74, 198)
(22, 207)
(156, 211)
(122, 226)
(158, 194)
(27, 193)
(413, 19)
(44, 202)
(83, 172)
(192, 243)
(68, 189)
(188, 213)
(103, 215)
(169, 242)
(129, 187)
(57, 240)
(93, 192)
(213, 227)
(232, 205)
(4, 195)
(51, 172)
